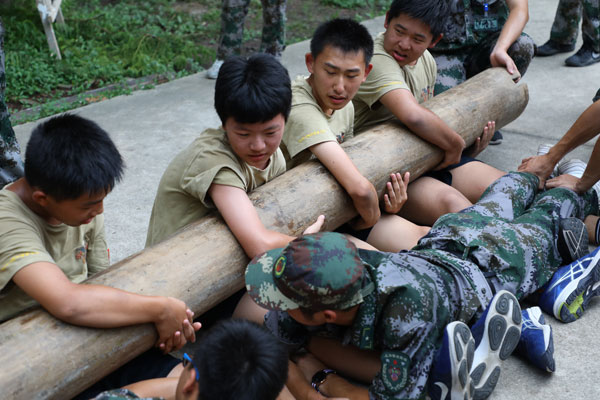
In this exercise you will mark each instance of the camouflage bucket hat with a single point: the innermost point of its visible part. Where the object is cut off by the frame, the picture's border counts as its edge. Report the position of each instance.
(319, 271)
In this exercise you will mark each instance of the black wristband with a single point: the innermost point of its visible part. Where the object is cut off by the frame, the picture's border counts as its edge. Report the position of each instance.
(319, 377)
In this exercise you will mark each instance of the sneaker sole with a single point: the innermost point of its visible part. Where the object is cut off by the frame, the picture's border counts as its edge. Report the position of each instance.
(575, 238)
(462, 350)
(500, 338)
(569, 308)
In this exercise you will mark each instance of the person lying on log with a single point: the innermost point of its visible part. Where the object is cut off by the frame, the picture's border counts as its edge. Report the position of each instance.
(396, 321)
(322, 117)
(576, 175)
(403, 77)
(52, 237)
(235, 360)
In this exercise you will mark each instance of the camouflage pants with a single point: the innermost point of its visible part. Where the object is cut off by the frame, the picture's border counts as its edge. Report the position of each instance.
(456, 66)
(11, 166)
(511, 232)
(233, 15)
(566, 22)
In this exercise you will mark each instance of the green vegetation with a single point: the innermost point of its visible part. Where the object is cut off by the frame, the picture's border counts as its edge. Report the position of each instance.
(107, 42)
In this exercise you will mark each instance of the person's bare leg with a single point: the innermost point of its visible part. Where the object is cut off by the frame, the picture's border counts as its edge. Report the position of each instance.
(350, 361)
(471, 179)
(429, 199)
(248, 309)
(393, 233)
(591, 224)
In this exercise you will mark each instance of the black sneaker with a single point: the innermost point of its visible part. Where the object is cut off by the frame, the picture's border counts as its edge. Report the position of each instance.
(572, 242)
(597, 97)
(551, 47)
(584, 56)
(497, 138)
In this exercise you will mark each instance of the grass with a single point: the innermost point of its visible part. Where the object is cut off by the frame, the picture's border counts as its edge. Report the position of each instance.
(108, 42)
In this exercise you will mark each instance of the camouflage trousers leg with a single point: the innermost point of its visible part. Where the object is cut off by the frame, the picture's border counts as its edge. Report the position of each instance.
(511, 232)
(11, 166)
(273, 32)
(566, 22)
(233, 15)
(457, 66)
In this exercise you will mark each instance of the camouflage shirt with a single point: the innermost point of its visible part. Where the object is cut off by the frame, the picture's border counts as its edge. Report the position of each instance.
(416, 295)
(469, 23)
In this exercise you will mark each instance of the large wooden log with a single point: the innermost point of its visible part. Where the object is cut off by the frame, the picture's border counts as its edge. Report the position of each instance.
(43, 358)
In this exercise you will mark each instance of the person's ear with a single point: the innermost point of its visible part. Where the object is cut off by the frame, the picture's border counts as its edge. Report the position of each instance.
(310, 62)
(330, 316)
(367, 70)
(385, 21)
(190, 386)
(435, 41)
(40, 197)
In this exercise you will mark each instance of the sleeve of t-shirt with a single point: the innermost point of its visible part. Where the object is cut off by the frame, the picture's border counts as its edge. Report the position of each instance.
(20, 246)
(98, 257)
(385, 76)
(203, 172)
(306, 127)
(431, 68)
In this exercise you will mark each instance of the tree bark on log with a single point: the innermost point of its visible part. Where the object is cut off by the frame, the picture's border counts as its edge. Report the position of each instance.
(43, 358)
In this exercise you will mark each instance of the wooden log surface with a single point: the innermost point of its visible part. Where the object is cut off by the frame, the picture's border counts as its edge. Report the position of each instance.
(43, 358)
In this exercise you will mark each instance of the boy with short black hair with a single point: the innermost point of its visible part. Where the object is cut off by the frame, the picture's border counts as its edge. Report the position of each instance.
(52, 236)
(322, 117)
(253, 100)
(236, 360)
(403, 76)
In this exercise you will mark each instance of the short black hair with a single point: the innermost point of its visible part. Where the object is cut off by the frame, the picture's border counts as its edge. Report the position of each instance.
(68, 156)
(433, 13)
(252, 90)
(344, 34)
(239, 360)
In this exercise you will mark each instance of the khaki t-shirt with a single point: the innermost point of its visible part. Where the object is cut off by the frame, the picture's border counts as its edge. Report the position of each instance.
(26, 238)
(386, 76)
(308, 125)
(182, 192)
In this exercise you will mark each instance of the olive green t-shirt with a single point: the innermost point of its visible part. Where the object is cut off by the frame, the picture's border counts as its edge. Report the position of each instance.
(182, 192)
(386, 76)
(308, 125)
(26, 238)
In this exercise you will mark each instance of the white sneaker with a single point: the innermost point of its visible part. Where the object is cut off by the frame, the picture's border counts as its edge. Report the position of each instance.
(213, 71)
(572, 167)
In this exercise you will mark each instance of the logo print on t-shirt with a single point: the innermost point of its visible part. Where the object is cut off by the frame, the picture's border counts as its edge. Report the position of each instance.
(80, 253)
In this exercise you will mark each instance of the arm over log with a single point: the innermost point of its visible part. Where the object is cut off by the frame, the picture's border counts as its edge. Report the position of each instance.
(43, 358)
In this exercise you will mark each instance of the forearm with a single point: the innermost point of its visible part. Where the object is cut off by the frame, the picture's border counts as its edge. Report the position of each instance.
(514, 25)
(592, 172)
(160, 387)
(106, 307)
(257, 244)
(298, 384)
(585, 128)
(428, 126)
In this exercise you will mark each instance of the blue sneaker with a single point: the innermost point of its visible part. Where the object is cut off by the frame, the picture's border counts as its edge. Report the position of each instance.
(571, 288)
(496, 335)
(536, 343)
(449, 378)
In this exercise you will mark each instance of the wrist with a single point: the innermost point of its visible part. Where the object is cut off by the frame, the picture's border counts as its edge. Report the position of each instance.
(319, 379)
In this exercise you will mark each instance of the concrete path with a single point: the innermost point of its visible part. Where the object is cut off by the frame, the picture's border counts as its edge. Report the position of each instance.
(151, 127)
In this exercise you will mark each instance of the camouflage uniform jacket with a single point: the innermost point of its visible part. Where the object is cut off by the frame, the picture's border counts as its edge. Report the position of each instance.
(416, 295)
(122, 394)
(469, 24)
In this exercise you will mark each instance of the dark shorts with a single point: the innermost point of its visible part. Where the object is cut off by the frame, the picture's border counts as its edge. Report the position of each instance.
(444, 175)
(362, 234)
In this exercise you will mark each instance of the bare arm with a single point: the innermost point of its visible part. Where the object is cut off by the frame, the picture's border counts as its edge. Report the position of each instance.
(241, 217)
(512, 29)
(105, 307)
(160, 387)
(425, 124)
(585, 128)
(362, 192)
